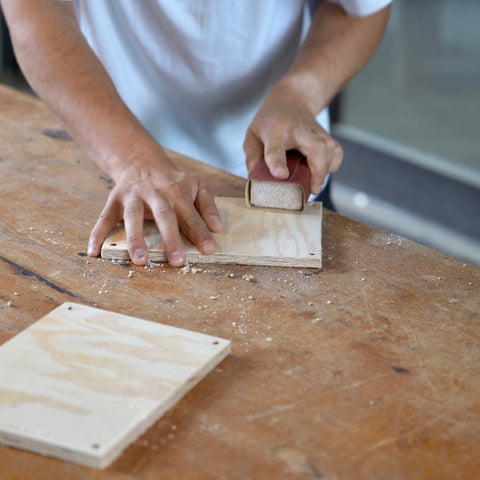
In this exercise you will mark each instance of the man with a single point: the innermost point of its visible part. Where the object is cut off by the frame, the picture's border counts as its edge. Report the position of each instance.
(205, 78)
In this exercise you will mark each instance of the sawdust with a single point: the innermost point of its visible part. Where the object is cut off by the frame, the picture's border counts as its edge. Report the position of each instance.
(189, 269)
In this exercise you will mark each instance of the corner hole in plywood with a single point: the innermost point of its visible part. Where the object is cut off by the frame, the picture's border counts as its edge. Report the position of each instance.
(215, 342)
(113, 244)
(95, 446)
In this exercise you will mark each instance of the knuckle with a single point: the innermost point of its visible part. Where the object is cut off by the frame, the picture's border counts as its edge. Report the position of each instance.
(204, 191)
(133, 238)
(330, 144)
(274, 150)
(131, 211)
(179, 189)
(339, 152)
(163, 210)
(194, 221)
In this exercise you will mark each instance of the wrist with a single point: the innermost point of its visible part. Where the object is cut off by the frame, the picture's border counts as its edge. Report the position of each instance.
(133, 153)
(305, 88)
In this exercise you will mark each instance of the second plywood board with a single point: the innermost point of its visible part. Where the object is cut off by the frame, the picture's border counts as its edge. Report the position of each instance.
(81, 383)
(252, 236)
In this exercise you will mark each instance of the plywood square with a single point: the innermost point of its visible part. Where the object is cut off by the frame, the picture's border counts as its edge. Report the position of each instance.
(252, 236)
(82, 383)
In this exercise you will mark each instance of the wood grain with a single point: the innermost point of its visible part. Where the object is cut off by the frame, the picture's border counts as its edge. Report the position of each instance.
(82, 383)
(251, 237)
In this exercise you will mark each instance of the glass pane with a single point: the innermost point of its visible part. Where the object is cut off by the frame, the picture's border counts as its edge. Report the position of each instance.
(422, 89)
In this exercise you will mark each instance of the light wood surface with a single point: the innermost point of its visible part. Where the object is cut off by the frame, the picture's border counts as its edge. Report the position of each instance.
(252, 237)
(81, 383)
(367, 369)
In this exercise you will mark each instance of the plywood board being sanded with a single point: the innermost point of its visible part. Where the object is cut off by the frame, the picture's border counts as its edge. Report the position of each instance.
(251, 237)
(81, 383)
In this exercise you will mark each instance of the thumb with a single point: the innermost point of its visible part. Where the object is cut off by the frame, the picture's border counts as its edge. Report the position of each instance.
(276, 160)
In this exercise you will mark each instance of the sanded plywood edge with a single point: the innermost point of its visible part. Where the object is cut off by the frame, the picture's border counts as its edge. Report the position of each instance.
(252, 237)
(82, 383)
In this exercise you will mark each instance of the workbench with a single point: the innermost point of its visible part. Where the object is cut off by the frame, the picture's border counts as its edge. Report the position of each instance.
(366, 369)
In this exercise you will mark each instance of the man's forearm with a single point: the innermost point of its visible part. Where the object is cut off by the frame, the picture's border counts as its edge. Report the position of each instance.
(66, 74)
(337, 46)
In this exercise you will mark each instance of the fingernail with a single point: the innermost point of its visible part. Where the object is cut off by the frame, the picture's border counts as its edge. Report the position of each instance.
(139, 256)
(216, 222)
(215, 218)
(280, 172)
(177, 259)
(208, 246)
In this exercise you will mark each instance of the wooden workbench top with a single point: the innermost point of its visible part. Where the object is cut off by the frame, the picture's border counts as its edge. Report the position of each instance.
(367, 369)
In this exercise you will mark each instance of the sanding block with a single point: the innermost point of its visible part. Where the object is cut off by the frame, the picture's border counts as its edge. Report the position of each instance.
(265, 191)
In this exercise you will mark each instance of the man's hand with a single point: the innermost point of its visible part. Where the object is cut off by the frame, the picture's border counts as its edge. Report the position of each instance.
(285, 123)
(176, 200)
(337, 46)
(68, 76)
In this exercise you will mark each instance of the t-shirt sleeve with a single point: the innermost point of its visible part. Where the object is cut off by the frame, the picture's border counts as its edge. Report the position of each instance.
(361, 8)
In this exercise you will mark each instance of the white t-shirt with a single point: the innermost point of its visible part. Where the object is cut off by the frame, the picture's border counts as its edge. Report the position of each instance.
(195, 72)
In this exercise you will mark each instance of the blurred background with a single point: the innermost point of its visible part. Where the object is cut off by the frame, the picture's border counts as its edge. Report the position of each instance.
(409, 127)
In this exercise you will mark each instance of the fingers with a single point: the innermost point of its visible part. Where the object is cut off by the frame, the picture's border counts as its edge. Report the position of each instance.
(195, 228)
(276, 159)
(205, 205)
(106, 222)
(133, 215)
(196, 218)
(167, 224)
(273, 152)
(324, 154)
(284, 123)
